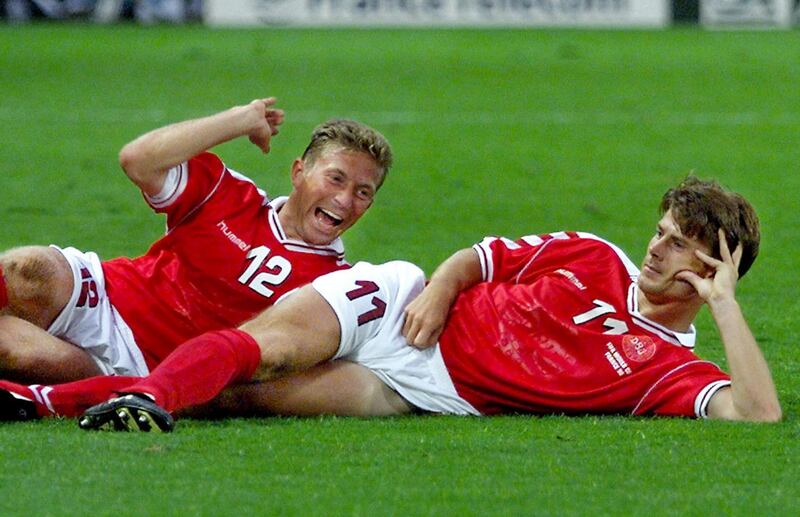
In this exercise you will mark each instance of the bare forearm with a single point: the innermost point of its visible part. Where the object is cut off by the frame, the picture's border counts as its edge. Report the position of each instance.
(146, 159)
(459, 272)
(753, 392)
(427, 314)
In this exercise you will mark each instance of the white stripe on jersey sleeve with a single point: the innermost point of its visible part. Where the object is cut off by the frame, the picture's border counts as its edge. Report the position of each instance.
(533, 240)
(485, 258)
(174, 185)
(704, 397)
(509, 243)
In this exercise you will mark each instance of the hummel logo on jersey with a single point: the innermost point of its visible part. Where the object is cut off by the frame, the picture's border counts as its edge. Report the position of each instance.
(572, 278)
(232, 236)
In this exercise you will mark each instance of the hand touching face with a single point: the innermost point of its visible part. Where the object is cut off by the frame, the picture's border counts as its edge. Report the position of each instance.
(669, 254)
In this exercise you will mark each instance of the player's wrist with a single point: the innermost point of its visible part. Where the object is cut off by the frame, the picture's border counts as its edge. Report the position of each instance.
(445, 288)
(723, 305)
(246, 118)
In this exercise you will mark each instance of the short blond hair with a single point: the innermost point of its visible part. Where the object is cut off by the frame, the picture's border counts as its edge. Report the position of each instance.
(350, 135)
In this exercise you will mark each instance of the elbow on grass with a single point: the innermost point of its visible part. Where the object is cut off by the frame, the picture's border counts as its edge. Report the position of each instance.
(773, 415)
(767, 414)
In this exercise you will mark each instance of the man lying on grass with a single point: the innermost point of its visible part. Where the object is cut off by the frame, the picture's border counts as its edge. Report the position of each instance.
(558, 323)
(228, 253)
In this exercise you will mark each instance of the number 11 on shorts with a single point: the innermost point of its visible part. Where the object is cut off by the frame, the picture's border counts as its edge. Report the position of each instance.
(365, 288)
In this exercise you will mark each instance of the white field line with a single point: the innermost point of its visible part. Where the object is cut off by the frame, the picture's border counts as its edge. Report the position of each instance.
(490, 118)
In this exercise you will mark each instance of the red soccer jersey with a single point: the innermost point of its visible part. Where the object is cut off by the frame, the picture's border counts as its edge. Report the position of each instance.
(555, 328)
(224, 259)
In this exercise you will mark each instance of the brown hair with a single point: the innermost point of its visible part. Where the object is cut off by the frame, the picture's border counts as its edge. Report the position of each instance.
(350, 136)
(701, 208)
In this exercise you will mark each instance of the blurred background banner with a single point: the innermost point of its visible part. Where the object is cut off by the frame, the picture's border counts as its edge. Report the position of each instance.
(146, 12)
(636, 14)
(442, 13)
(749, 13)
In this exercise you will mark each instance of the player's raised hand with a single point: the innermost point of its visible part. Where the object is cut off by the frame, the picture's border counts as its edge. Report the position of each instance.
(425, 316)
(266, 124)
(721, 285)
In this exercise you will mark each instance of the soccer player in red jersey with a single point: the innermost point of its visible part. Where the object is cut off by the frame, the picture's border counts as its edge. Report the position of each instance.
(557, 323)
(228, 253)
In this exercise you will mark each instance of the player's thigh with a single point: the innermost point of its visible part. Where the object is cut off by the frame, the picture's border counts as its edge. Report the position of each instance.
(297, 333)
(29, 354)
(39, 283)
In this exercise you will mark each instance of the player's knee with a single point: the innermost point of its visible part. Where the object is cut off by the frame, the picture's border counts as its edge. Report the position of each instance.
(36, 279)
(289, 340)
(277, 357)
(280, 350)
(371, 396)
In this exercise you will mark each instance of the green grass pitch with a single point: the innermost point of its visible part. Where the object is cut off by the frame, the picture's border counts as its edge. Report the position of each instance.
(496, 132)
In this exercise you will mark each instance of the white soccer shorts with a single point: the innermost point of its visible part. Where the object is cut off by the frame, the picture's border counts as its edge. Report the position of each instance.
(369, 301)
(90, 321)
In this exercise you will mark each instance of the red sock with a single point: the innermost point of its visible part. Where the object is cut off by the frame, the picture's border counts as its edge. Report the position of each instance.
(73, 398)
(200, 368)
(3, 291)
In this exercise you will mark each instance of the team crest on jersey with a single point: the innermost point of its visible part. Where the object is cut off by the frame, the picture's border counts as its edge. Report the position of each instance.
(638, 348)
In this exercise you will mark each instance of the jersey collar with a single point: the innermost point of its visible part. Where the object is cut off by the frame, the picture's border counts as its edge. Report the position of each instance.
(334, 248)
(684, 339)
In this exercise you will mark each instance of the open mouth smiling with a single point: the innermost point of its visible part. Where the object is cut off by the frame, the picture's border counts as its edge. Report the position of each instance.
(328, 217)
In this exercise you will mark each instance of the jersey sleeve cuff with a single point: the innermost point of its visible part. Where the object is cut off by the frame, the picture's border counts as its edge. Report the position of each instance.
(174, 185)
(485, 257)
(705, 395)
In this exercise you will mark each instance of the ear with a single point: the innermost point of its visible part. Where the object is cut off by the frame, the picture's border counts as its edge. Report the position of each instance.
(298, 168)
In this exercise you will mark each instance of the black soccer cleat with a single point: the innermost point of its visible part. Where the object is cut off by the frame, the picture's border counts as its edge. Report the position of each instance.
(16, 408)
(130, 412)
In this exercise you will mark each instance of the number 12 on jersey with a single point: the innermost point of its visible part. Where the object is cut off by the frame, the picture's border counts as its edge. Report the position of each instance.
(277, 271)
